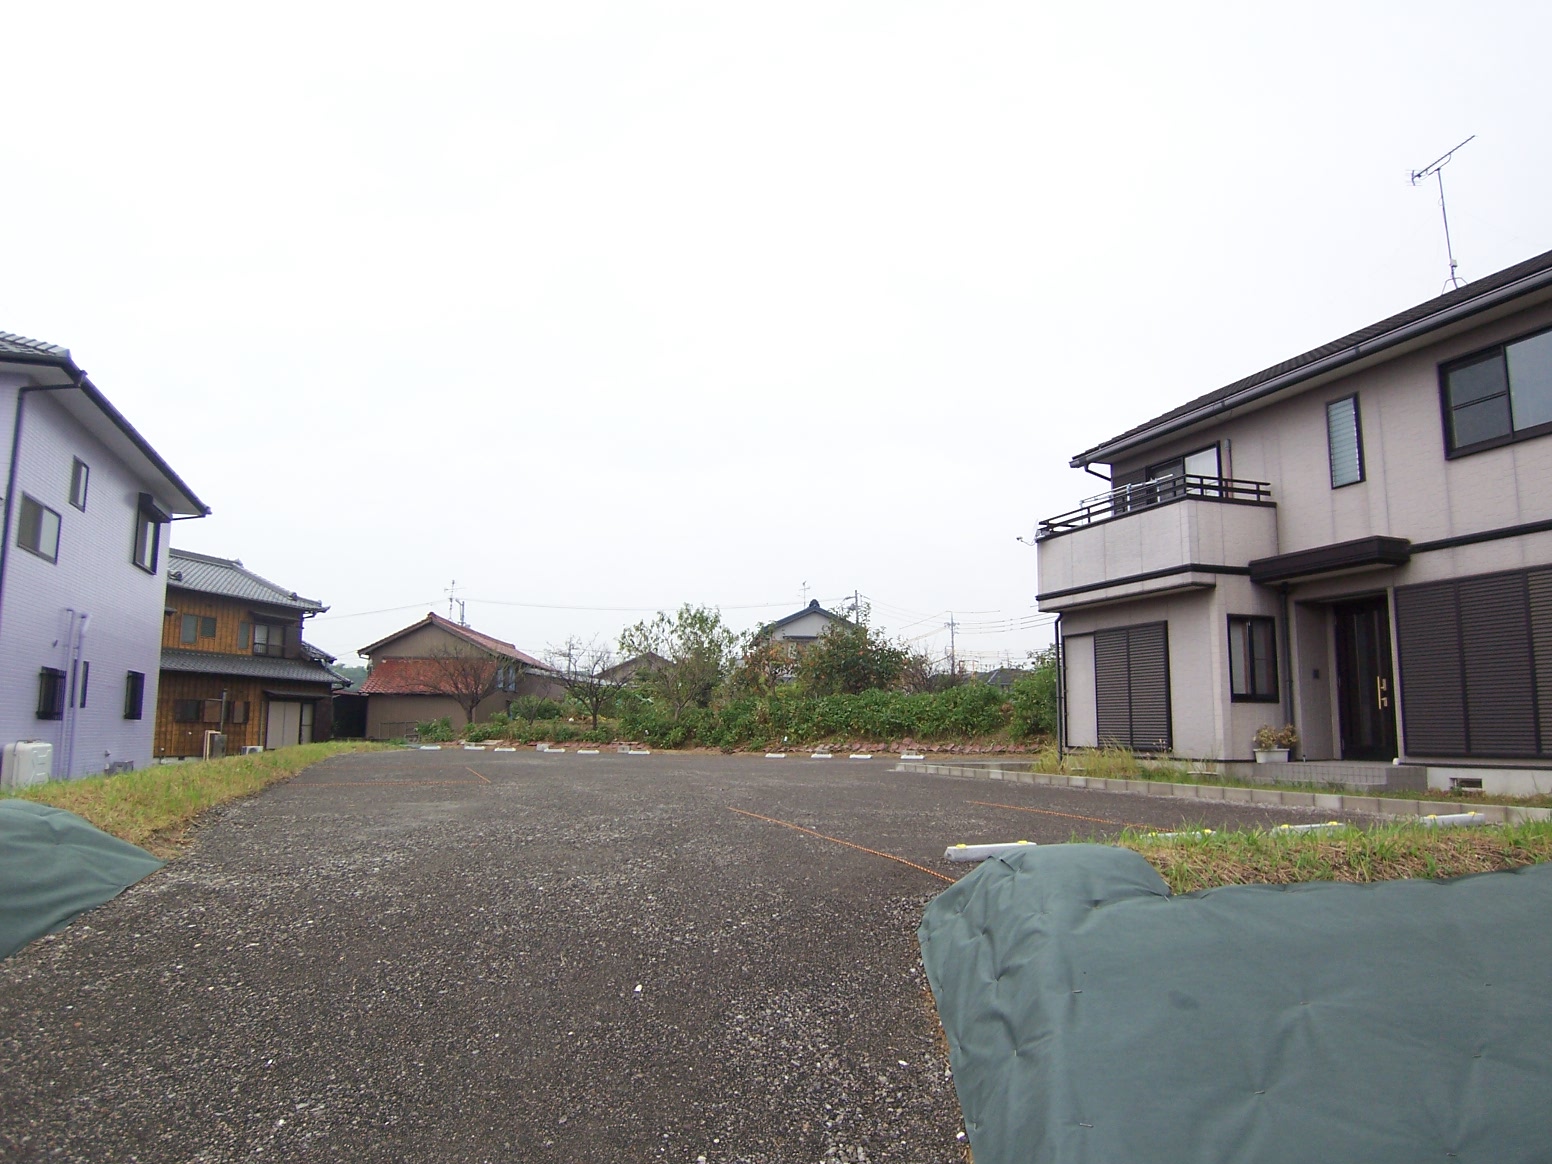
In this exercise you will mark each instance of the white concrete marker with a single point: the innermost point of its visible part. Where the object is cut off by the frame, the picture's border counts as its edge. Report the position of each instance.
(912, 756)
(1310, 828)
(775, 755)
(862, 755)
(1433, 820)
(639, 752)
(982, 852)
(587, 751)
(821, 756)
(556, 751)
(430, 747)
(1176, 836)
(474, 747)
(504, 749)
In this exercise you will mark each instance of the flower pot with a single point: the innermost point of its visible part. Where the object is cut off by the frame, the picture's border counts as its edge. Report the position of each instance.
(1271, 755)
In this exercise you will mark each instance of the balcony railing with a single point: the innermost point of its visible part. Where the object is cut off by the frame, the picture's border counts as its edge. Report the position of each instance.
(1146, 494)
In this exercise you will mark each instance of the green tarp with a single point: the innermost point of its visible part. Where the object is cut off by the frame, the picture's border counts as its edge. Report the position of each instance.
(54, 866)
(1092, 1016)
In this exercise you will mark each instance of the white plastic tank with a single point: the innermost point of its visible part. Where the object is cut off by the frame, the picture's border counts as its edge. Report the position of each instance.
(26, 762)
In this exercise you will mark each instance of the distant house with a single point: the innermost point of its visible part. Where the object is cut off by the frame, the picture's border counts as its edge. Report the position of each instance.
(82, 574)
(803, 626)
(233, 661)
(1002, 678)
(428, 669)
(626, 671)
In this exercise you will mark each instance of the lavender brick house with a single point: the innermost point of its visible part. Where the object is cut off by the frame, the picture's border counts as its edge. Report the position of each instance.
(82, 565)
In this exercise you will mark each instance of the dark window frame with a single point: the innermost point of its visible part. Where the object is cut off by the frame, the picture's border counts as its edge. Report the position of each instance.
(86, 678)
(52, 685)
(134, 695)
(80, 482)
(1363, 469)
(187, 710)
(1248, 665)
(22, 530)
(146, 550)
(1513, 436)
(188, 628)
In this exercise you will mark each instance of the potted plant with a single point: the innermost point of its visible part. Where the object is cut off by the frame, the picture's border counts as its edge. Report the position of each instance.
(1274, 743)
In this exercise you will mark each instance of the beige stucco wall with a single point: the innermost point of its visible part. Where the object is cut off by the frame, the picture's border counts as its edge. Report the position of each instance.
(810, 626)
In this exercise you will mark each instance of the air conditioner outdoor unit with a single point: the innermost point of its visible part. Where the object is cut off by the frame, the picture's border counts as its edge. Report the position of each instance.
(252, 749)
(215, 745)
(26, 762)
(118, 767)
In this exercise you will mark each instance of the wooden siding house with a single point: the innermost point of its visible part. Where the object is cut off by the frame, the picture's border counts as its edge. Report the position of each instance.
(233, 661)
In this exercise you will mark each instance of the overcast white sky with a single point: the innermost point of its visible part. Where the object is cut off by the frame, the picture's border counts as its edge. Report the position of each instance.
(626, 305)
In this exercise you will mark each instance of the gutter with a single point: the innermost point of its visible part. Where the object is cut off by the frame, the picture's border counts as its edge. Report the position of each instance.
(1106, 453)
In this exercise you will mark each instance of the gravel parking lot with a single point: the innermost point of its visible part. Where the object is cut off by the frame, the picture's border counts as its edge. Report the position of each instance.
(483, 956)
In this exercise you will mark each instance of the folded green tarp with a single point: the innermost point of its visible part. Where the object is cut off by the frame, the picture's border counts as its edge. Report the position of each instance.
(54, 866)
(1092, 1016)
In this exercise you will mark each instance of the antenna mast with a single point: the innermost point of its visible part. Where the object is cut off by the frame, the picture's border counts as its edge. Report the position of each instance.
(1436, 169)
(452, 597)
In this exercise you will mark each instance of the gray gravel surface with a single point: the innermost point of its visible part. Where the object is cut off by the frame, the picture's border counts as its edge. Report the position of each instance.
(479, 956)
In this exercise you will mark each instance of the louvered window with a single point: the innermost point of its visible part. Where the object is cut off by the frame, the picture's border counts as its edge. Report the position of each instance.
(1476, 665)
(1131, 687)
(1344, 440)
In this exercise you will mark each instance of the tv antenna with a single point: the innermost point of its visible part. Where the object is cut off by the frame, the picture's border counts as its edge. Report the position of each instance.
(452, 597)
(1436, 169)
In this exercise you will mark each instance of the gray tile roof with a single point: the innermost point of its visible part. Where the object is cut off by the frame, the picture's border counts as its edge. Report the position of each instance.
(227, 577)
(1362, 342)
(248, 666)
(19, 345)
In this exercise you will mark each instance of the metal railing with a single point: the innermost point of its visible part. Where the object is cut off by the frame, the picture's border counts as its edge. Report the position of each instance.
(1146, 494)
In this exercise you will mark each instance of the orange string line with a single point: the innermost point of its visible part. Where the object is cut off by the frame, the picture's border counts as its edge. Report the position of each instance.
(1069, 815)
(860, 848)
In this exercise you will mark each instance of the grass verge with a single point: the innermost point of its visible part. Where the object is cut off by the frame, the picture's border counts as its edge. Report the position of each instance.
(1386, 853)
(153, 807)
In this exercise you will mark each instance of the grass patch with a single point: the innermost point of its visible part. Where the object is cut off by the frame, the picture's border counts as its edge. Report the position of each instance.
(153, 807)
(1121, 764)
(1385, 853)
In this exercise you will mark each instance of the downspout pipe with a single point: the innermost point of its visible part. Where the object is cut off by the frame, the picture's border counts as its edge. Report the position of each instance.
(1287, 653)
(1061, 692)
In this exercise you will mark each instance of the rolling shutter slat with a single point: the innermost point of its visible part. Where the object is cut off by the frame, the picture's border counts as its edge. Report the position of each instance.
(1428, 634)
(1112, 697)
(1149, 650)
(1500, 711)
(1540, 588)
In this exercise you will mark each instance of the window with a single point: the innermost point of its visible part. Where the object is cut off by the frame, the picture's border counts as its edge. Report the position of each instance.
(1344, 442)
(207, 628)
(1500, 395)
(148, 533)
(38, 531)
(189, 631)
(244, 636)
(1252, 659)
(211, 713)
(1131, 687)
(186, 710)
(239, 710)
(266, 639)
(80, 473)
(134, 695)
(51, 693)
(86, 676)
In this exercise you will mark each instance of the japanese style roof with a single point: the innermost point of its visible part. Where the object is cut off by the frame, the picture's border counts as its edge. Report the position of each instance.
(228, 578)
(1531, 275)
(308, 670)
(399, 676)
(52, 368)
(474, 638)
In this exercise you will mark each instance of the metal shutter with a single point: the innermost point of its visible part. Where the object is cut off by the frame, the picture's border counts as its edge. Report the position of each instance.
(1112, 689)
(1540, 588)
(1496, 655)
(1428, 634)
(1148, 647)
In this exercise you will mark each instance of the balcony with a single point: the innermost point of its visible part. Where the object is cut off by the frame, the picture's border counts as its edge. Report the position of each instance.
(1175, 533)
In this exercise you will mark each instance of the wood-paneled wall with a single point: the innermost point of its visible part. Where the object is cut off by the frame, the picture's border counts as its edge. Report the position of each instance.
(188, 739)
(229, 613)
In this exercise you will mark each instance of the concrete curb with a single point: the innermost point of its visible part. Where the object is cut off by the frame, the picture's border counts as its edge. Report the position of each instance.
(1380, 806)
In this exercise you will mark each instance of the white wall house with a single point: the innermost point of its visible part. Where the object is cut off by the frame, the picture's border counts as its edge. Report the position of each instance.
(82, 564)
(1357, 541)
(803, 626)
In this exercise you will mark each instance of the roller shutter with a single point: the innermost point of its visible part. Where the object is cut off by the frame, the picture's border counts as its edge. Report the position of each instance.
(1428, 633)
(1131, 686)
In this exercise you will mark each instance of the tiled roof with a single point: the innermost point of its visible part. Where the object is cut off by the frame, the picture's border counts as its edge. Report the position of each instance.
(473, 637)
(228, 578)
(20, 345)
(248, 666)
(812, 608)
(405, 677)
(1352, 342)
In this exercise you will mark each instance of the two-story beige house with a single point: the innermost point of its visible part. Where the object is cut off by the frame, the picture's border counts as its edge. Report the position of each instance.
(1357, 540)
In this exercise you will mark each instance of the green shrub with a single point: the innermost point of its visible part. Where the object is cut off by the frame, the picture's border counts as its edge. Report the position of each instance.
(436, 731)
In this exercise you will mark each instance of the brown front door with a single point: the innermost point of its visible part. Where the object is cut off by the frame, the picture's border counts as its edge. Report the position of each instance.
(1364, 683)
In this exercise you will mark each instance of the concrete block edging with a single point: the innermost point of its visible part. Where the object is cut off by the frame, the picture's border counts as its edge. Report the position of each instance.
(1378, 806)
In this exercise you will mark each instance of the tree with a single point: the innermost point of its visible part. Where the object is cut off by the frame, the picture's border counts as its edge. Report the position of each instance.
(1034, 696)
(764, 665)
(582, 669)
(848, 659)
(467, 676)
(697, 647)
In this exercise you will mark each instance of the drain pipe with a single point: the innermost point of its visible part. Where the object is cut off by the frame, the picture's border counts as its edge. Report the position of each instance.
(1287, 667)
(79, 622)
(1061, 693)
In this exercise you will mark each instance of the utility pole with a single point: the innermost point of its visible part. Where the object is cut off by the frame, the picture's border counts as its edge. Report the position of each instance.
(856, 605)
(953, 665)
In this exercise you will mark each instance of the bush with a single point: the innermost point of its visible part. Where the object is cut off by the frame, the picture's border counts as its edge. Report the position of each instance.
(1034, 698)
(436, 731)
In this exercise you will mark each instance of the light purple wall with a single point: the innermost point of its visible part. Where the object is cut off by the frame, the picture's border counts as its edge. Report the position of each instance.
(94, 575)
